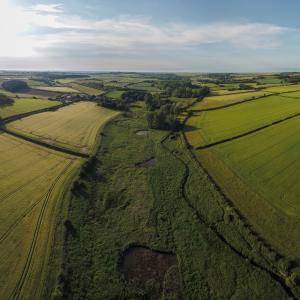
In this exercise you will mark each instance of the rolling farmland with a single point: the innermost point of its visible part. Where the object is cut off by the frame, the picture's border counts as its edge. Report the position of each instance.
(73, 127)
(269, 162)
(259, 170)
(32, 179)
(217, 125)
(149, 207)
(218, 101)
(259, 173)
(283, 88)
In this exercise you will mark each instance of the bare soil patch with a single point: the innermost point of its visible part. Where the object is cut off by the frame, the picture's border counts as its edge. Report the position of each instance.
(146, 163)
(142, 132)
(154, 272)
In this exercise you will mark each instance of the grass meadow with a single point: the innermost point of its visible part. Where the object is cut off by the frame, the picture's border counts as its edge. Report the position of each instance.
(218, 101)
(85, 89)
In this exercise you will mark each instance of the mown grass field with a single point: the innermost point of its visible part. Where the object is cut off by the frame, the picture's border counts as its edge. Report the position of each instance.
(269, 161)
(58, 89)
(73, 127)
(292, 95)
(228, 92)
(115, 94)
(85, 89)
(183, 101)
(283, 88)
(145, 86)
(260, 173)
(217, 101)
(32, 180)
(212, 126)
(24, 105)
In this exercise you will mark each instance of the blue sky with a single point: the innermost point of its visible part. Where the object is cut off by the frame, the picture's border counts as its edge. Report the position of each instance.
(169, 35)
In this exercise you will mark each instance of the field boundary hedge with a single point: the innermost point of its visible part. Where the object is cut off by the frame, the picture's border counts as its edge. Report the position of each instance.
(30, 113)
(44, 144)
(242, 101)
(247, 133)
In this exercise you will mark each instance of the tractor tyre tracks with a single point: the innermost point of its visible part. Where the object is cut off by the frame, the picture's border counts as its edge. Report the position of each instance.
(19, 286)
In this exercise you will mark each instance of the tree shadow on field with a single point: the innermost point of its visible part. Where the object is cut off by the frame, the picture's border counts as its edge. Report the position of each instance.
(189, 128)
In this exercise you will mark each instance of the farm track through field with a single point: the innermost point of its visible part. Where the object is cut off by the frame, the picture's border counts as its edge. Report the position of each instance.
(247, 133)
(272, 271)
(18, 289)
(19, 219)
(44, 144)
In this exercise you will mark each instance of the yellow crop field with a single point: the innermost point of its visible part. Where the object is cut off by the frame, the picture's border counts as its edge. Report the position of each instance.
(72, 127)
(31, 185)
(59, 89)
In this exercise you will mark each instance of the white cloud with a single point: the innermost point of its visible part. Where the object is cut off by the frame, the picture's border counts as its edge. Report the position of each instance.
(47, 31)
(48, 8)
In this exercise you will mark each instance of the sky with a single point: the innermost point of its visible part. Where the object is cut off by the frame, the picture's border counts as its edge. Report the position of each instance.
(156, 35)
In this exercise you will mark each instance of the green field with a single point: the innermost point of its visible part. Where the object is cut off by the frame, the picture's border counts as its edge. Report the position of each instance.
(35, 83)
(226, 92)
(85, 89)
(203, 208)
(283, 88)
(32, 180)
(183, 101)
(260, 173)
(73, 127)
(24, 105)
(269, 162)
(212, 126)
(217, 101)
(292, 95)
(144, 86)
(115, 94)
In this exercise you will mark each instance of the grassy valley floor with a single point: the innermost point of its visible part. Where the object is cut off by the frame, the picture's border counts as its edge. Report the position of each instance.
(144, 199)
